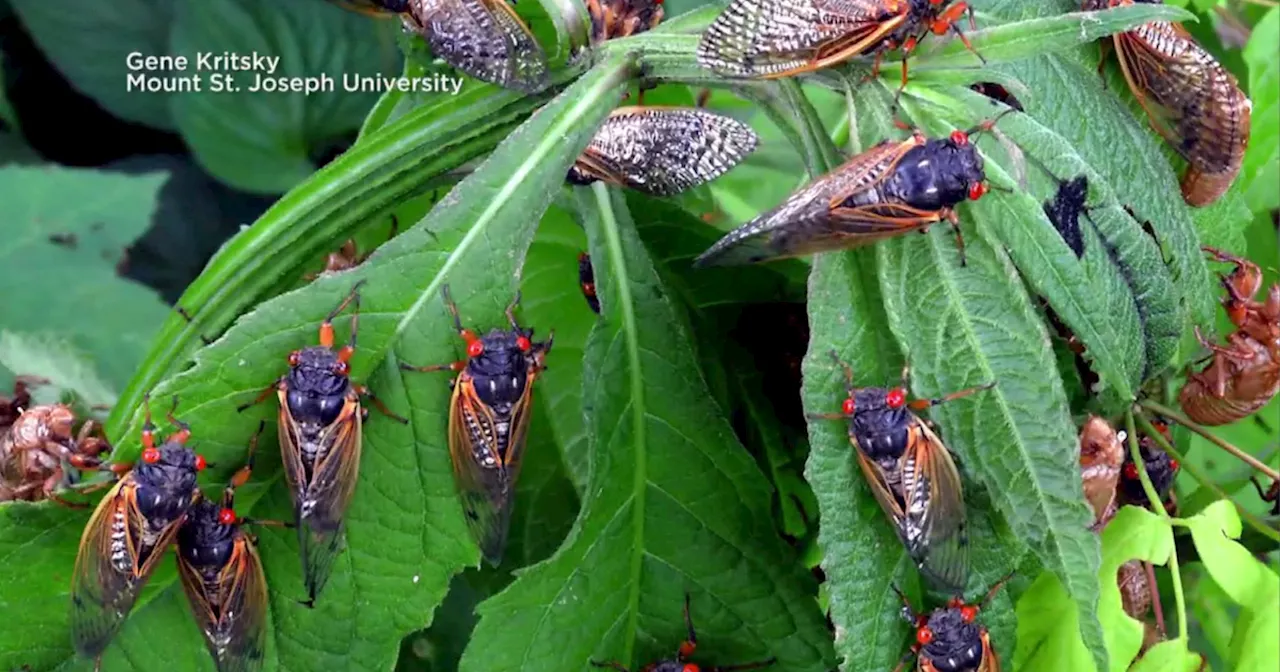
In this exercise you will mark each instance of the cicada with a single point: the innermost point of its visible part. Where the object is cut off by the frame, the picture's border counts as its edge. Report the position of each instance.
(680, 663)
(1101, 457)
(621, 18)
(1161, 469)
(222, 576)
(663, 150)
(950, 639)
(349, 256)
(1240, 379)
(781, 38)
(996, 91)
(489, 421)
(912, 475)
(129, 533)
(319, 427)
(1191, 100)
(1270, 495)
(483, 38)
(889, 190)
(587, 281)
(39, 447)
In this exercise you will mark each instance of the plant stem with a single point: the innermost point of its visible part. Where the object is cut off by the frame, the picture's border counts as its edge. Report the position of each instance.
(1219, 442)
(1157, 505)
(1204, 479)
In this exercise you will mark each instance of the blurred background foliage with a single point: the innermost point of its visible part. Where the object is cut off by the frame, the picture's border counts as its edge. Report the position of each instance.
(124, 198)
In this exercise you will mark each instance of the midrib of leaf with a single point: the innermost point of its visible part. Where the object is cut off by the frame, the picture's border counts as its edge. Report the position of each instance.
(540, 152)
(640, 482)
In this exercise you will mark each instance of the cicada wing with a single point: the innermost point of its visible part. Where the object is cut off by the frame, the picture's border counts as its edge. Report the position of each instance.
(485, 470)
(937, 537)
(664, 151)
(323, 495)
(112, 565)
(836, 211)
(232, 612)
(990, 660)
(778, 38)
(485, 39)
(880, 487)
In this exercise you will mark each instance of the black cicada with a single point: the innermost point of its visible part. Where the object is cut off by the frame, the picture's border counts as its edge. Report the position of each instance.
(587, 281)
(489, 421)
(222, 576)
(1161, 469)
(889, 190)
(320, 420)
(951, 639)
(912, 475)
(129, 533)
(663, 150)
(680, 662)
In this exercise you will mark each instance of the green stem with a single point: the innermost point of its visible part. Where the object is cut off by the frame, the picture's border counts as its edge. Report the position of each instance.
(1204, 479)
(1153, 498)
(1215, 440)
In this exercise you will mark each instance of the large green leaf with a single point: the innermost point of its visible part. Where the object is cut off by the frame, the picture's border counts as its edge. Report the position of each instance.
(258, 138)
(1261, 169)
(406, 536)
(672, 504)
(59, 256)
(91, 43)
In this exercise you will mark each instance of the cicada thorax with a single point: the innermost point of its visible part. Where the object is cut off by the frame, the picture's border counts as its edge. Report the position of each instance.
(955, 644)
(621, 18)
(894, 188)
(1239, 380)
(1191, 99)
(1101, 459)
(781, 38)
(125, 538)
(663, 150)
(483, 38)
(587, 282)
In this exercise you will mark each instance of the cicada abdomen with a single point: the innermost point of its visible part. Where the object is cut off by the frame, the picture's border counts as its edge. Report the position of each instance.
(128, 534)
(781, 38)
(489, 415)
(1191, 100)
(222, 576)
(483, 38)
(663, 150)
(912, 475)
(889, 190)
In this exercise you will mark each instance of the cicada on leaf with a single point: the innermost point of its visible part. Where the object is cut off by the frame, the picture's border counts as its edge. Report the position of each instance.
(129, 532)
(911, 474)
(489, 417)
(892, 189)
(680, 663)
(483, 38)
(1101, 456)
(40, 452)
(950, 638)
(587, 281)
(221, 574)
(781, 38)
(663, 151)
(621, 18)
(1191, 100)
(320, 424)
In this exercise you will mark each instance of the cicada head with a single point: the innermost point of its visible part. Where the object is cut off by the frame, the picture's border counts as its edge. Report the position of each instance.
(166, 482)
(1161, 468)
(952, 640)
(317, 386)
(499, 363)
(207, 539)
(879, 421)
(941, 173)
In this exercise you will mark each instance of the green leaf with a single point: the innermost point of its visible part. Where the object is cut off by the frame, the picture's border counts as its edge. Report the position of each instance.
(405, 532)
(1170, 656)
(73, 289)
(673, 503)
(1134, 534)
(90, 41)
(1261, 169)
(1049, 630)
(7, 113)
(406, 159)
(54, 359)
(965, 326)
(1249, 583)
(251, 135)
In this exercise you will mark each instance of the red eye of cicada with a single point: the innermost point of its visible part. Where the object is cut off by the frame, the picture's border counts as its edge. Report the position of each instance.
(200, 463)
(968, 613)
(976, 190)
(294, 358)
(524, 344)
(151, 455)
(847, 406)
(1131, 471)
(960, 138)
(924, 635)
(896, 398)
(227, 517)
(475, 348)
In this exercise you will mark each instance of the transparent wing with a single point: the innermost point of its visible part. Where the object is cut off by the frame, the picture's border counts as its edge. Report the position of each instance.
(935, 507)
(485, 39)
(231, 613)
